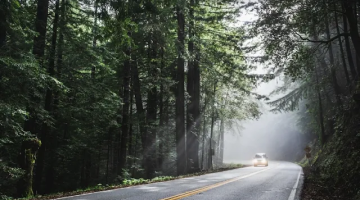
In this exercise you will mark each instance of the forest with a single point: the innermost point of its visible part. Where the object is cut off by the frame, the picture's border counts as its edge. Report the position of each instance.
(315, 46)
(99, 91)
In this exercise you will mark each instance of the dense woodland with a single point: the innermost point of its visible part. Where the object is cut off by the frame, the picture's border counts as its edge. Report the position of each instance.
(315, 45)
(97, 91)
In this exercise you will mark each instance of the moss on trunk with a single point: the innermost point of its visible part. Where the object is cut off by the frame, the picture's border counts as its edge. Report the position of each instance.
(27, 159)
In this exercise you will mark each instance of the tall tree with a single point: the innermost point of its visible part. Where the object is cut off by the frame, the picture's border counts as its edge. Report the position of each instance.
(49, 97)
(32, 123)
(190, 120)
(152, 99)
(180, 110)
(125, 109)
(75, 90)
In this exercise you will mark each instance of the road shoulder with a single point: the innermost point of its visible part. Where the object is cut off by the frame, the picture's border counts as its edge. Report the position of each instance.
(300, 186)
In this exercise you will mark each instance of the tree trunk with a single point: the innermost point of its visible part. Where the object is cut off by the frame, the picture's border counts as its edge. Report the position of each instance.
(27, 159)
(354, 34)
(161, 112)
(108, 160)
(131, 134)
(85, 175)
(40, 28)
(347, 46)
(125, 110)
(60, 44)
(166, 137)
(49, 100)
(321, 117)
(180, 110)
(117, 154)
(324, 67)
(31, 124)
(193, 114)
(342, 50)
(332, 66)
(151, 116)
(204, 133)
(93, 67)
(212, 129)
(221, 142)
(357, 35)
(60, 41)
(136, 145)
(151, 134)
(139, 106)
(190, 90)
(196, 107)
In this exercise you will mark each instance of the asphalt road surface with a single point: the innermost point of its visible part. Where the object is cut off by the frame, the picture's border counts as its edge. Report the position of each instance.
(278, 181)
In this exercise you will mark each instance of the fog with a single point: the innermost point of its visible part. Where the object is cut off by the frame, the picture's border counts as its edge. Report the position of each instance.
(277, 135)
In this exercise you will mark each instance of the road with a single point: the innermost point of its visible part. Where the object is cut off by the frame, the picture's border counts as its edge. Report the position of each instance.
(278, 181)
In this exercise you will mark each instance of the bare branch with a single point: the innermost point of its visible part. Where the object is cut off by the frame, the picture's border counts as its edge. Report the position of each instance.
(323, 41)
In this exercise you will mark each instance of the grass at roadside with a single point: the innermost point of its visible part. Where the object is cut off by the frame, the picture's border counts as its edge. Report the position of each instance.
(132, 182)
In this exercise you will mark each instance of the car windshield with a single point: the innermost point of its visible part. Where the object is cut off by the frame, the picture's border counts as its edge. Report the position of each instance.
(258, 156)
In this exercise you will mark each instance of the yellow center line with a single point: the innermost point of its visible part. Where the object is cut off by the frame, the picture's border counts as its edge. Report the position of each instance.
(209, 187)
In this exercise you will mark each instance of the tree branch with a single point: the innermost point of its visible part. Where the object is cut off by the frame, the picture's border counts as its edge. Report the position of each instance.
(323, 41)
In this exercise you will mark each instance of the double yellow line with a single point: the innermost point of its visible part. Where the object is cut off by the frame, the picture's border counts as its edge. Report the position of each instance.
(209, 187)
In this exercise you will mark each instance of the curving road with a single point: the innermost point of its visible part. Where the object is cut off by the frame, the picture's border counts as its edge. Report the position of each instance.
(278, 181)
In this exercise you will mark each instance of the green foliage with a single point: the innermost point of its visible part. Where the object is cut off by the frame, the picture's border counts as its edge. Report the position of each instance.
(232, 165)
(129, 182)
(290, 101)
(74, 98)
(161, 178)
(306, 42)
(10, 177)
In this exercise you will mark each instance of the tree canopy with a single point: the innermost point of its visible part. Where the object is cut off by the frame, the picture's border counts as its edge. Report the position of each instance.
(107, 90)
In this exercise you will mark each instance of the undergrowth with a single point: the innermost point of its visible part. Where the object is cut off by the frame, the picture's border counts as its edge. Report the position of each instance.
(334, 170)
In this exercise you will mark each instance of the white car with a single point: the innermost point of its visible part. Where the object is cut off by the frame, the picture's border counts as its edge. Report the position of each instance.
(260, 159)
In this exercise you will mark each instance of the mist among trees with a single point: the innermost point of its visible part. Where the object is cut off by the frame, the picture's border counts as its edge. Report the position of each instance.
(315, 45)
(99, 91)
